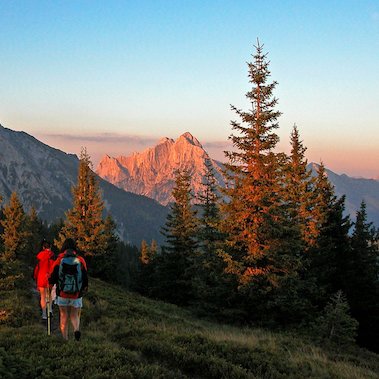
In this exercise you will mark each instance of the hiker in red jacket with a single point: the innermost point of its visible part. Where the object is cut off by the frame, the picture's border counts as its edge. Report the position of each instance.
(41, 274)
(70, 275)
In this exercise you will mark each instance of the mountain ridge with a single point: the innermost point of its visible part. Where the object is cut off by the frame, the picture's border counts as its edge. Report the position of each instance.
(356, 190)
(43, 177)
(143, 173)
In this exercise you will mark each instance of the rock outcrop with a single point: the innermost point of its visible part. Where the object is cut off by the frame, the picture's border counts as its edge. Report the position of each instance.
(152, 172)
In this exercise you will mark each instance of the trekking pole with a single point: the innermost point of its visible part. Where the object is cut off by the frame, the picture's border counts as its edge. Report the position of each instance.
(48, 310)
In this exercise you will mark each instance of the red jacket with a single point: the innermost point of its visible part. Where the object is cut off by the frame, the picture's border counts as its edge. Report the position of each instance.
(43, 268)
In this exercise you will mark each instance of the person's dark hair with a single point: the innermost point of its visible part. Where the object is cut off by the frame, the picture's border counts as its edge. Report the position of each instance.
(68, 244)
(45, 244)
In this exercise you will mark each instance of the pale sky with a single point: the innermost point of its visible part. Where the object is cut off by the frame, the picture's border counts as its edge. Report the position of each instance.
(116, 76)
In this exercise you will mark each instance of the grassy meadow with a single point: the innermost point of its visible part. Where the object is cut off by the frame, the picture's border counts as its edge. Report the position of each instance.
(125, 335)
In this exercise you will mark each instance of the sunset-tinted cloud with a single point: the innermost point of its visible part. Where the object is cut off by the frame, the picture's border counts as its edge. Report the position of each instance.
(98, 144)
(114, 138)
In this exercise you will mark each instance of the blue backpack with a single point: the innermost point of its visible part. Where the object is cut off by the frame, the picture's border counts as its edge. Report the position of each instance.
(70, 273)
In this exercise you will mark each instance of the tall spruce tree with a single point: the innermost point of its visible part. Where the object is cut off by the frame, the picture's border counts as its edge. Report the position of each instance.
(363, 279)
(210, 283)
(84, 221)
(181, 226)
(209, 235)
(105, 261)
(324, 197)
(15, 234)
(256, 216)
(175, 264)
(329, 256)
(252, 171)
(299, 191)
(14, 239)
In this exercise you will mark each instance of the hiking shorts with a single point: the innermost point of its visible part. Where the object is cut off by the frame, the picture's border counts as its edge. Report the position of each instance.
(65, 302)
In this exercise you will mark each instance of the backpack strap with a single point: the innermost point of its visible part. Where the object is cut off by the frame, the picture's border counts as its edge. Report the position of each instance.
(70, 253)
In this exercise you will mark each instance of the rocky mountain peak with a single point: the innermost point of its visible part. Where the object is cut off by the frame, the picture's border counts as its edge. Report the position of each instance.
(164, 140)
(188, 137)
(152, 172)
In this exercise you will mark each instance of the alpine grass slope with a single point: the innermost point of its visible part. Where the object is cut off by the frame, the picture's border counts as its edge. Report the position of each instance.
(125, 335)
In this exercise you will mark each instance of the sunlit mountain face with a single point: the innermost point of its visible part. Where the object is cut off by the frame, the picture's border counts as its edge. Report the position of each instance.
(152, 172)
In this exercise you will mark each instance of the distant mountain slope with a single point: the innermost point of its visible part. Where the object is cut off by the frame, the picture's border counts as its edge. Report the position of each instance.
(355, 190)
(152, 172)
(43, 177)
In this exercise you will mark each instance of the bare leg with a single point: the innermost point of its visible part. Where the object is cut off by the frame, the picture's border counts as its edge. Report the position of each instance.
(42, 293)
(75, 318)
(63, 316)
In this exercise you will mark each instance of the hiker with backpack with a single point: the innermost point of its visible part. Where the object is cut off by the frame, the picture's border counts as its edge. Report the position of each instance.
(41, 275)
(70, 276)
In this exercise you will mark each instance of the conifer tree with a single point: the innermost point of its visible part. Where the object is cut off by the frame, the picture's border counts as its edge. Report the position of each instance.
(209, 236)
(175, 264)
(330, 254)
(209, 282)
(153, 249)
(105, 261)
(84, 221)
(256, 216)
(148, 252)
(14, 239)
(52, 233)
(15, 234)
(37, 233)
(336, 325)
(324, 197)
(128, 266)
(147, 265)
(181, 226)
(145, 252)
(363, 279)
(299, 191)
(250, 213)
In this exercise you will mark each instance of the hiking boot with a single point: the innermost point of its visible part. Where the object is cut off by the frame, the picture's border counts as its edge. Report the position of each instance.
(77, 335)
(44, 315)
